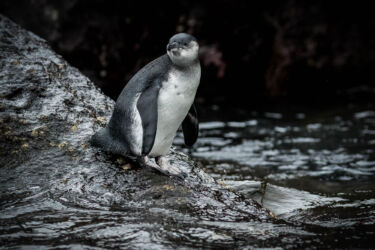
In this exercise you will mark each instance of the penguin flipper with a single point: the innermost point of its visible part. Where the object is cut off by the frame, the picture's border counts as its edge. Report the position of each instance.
(190, 127)
(148, 109)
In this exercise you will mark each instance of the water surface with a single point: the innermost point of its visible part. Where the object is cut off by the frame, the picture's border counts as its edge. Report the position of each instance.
(315, 170)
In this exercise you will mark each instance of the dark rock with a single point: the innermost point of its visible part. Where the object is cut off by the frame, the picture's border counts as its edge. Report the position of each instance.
(56, 189)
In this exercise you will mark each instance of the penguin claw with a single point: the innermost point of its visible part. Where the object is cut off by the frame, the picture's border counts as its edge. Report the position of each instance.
(173, 171)
(163, 166)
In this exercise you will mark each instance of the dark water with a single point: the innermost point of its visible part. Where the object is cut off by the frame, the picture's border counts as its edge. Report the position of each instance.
(315, 173)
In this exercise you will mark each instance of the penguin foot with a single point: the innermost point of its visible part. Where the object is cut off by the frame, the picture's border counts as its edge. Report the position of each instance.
(163, 166)
(173, 170)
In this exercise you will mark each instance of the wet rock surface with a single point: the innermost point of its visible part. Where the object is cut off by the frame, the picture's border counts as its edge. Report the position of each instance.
(58, 191)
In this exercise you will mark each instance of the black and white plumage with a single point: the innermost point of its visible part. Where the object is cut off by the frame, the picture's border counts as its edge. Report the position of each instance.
(154, 104)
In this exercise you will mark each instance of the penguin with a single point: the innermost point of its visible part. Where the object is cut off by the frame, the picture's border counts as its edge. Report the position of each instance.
(155, 102)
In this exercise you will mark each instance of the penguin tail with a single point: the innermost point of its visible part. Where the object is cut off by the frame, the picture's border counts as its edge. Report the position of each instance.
(103, 139)
(100, 139)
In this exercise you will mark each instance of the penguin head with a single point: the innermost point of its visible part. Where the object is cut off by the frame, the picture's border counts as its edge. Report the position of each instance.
(183, 49)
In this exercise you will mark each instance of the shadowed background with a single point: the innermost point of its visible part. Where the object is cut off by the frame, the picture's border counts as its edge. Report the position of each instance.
(254, 55)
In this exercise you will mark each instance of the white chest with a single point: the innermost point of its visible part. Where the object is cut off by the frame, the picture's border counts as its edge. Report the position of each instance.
(175, 99)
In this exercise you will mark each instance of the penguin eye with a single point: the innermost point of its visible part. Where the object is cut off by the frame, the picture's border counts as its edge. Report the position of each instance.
(185, 44)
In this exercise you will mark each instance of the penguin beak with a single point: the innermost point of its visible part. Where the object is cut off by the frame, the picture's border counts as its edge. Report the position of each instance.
(172, 46)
